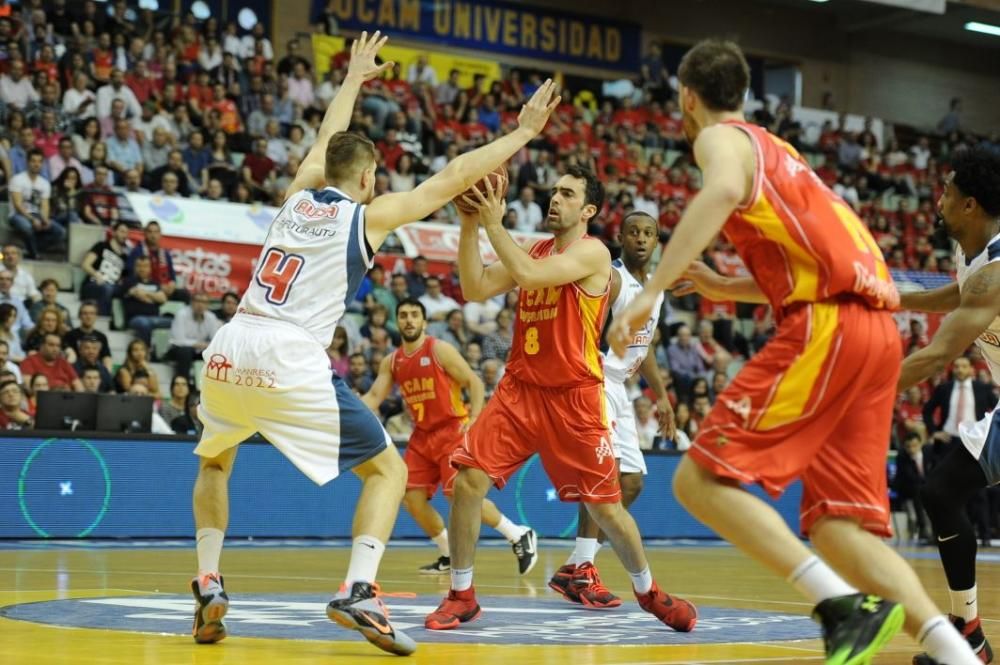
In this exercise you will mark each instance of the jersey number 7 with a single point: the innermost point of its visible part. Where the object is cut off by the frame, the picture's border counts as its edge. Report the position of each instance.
(277, 273)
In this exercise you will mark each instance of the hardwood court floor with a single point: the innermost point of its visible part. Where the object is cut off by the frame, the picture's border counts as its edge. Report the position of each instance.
(710, 576)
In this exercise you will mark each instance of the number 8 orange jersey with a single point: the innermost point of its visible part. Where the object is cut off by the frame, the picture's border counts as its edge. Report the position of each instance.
(557, 334)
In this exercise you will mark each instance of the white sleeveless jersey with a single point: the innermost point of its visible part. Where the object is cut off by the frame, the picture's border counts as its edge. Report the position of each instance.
(989, 340)
(620, 369)
(314, 258)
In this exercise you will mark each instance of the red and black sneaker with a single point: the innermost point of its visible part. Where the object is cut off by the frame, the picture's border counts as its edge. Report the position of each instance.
(457, 608)
(592, 594)
(562, 582)
(972, 631)
(676, 612)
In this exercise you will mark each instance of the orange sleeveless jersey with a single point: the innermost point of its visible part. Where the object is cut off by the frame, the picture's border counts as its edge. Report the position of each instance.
(432, 397)
(799, 240)
(558, 332)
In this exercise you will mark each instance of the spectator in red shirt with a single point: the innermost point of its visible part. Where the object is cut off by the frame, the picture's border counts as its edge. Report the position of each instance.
(258, 169)
(102, 59)
(200, 93)
(910, 413)
(50, 362)
(229, 119)
(475, 132)
(100, 202)
(391, 149)
(47, 136)
(628, 116)
(143, 84)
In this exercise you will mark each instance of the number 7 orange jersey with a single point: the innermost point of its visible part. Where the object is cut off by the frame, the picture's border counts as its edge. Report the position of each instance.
(557, 333)
(430, 394)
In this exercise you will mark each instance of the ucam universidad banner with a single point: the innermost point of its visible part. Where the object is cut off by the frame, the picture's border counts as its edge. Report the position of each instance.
(549, 35)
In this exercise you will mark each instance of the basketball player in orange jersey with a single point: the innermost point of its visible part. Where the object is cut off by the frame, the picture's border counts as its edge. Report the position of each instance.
(816, 403)
(551, 398)
(431, 375)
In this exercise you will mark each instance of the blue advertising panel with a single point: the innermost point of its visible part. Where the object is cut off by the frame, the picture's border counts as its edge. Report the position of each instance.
(548, 35)
(77, 487)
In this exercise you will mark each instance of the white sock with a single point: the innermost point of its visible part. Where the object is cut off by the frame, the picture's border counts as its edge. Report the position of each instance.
(586, 550)
(441, 540)
(461, 579)
(945, 644)
(816, 581)
(512, 532)
(571, 561)
(964, 604)
(209, 544)
(642, 581)
(366, 554)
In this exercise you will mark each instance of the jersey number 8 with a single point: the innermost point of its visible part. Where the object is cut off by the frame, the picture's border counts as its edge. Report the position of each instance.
(531, 345)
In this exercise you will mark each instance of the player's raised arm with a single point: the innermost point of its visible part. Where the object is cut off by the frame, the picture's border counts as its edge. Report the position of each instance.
(460, 371)
(381, 386)
(724, 155)
(700, 279)
(338, 115)
(390, 211)
(479, 282)
(579, 261)
(942, 299)
(980, 304)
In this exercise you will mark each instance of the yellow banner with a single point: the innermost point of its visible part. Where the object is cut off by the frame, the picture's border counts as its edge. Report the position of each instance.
(325, 47)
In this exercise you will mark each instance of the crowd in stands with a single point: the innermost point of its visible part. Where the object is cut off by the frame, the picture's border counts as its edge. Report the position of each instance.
(94, 101)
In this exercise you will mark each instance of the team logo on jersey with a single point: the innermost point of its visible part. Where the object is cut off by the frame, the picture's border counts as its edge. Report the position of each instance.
(990, 338)
(425, 362)
(217, 368)
(313, 211)
(741, 407)
(604, 450)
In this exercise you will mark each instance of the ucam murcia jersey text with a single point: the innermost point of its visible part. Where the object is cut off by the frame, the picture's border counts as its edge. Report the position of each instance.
(989, 340)
(619, 369)
(312, 263)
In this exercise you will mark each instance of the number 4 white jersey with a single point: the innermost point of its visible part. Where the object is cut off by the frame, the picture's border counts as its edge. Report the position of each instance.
(314, 258)
(619, 369)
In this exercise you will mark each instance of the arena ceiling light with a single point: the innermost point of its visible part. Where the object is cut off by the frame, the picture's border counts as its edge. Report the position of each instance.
(153, 5)
(200, 10)
(247, 18)
(985, 28)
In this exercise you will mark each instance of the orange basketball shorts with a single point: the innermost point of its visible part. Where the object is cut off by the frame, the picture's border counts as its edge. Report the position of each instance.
(567, 427)
(816, 403)
(428, 455)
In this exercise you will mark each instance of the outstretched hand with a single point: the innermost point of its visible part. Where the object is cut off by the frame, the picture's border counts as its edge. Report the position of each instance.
(363, 52)
(536, 112)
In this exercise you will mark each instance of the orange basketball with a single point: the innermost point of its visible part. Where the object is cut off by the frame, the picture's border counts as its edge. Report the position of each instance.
(499, 172)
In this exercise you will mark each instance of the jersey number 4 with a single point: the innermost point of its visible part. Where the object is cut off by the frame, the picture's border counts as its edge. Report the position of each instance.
(277, 273)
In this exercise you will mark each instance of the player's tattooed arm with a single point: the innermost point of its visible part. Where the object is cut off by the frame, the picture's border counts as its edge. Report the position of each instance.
(942, 299)
(380, 387)
(979, 306)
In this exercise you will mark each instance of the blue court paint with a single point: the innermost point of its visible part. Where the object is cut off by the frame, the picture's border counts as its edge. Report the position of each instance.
(505, 620)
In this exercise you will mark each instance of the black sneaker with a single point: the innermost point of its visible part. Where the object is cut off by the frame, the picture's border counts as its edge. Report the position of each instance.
(972, 631)
(526, 551)
(211, 605)
(362, 611)
(856, 627)
(440, 567)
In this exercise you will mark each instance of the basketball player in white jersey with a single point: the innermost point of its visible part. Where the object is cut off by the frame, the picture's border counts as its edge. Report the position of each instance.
(578, 580)
(267, 370)
(970, 210)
